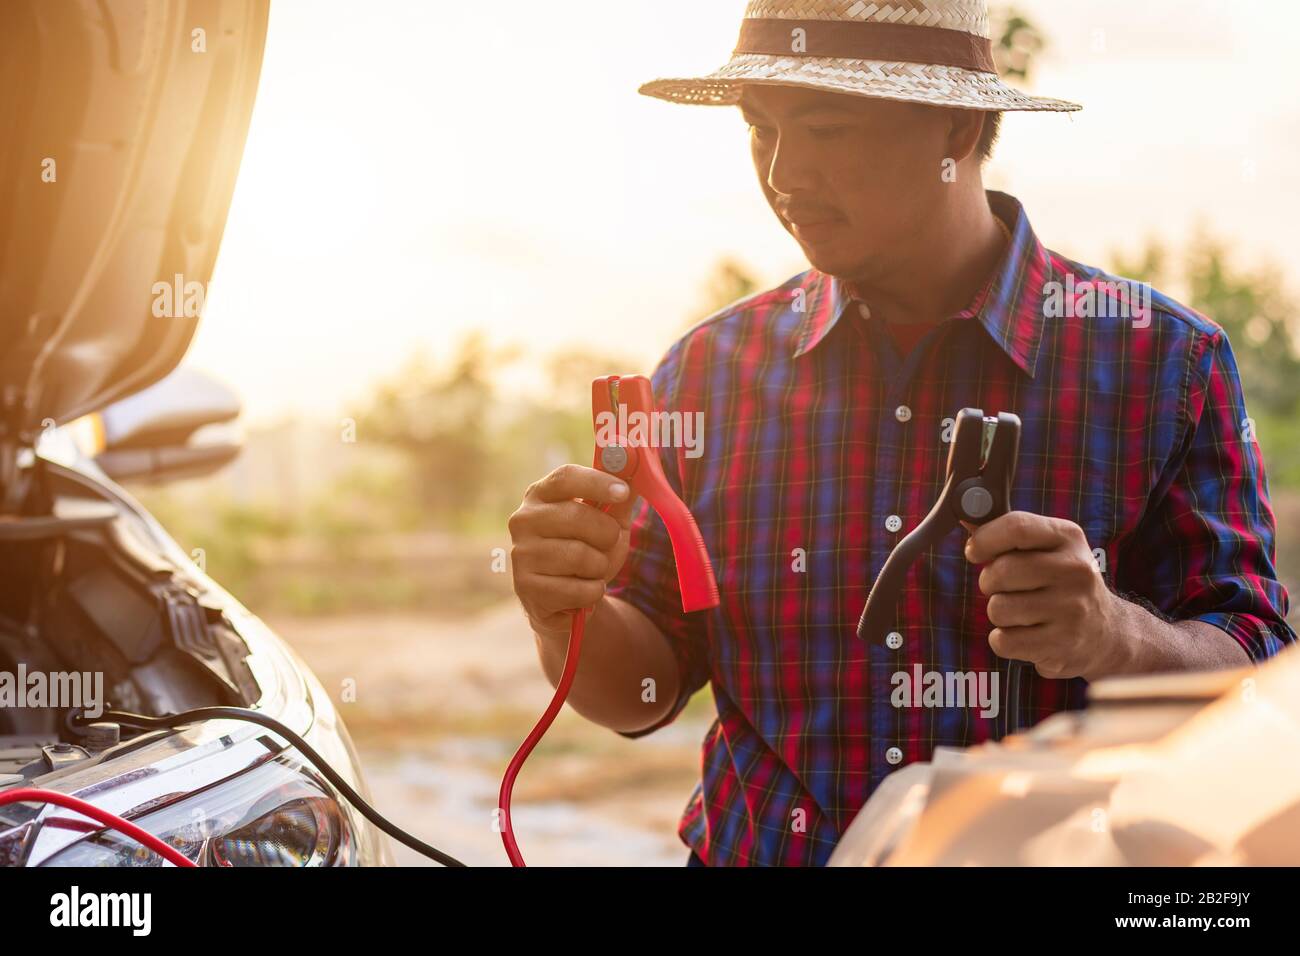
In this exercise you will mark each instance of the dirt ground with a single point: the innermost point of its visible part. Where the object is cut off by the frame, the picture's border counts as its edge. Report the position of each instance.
(438, 707)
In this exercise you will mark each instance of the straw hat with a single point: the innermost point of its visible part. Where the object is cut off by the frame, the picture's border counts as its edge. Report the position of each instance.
(921, 51)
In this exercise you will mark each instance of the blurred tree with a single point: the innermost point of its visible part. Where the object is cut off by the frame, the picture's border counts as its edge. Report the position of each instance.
(1253, 309)
(1256, 311)
(569, 375)
(729, 282)
(440, 418)
(1016, 42)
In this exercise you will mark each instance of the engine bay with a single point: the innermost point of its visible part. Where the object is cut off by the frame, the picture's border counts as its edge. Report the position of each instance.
(94, 616)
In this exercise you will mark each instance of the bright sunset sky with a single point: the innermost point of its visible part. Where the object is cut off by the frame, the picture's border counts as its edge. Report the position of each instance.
(419, 169)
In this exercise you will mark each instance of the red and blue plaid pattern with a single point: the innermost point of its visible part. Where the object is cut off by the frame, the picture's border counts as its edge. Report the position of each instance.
(816, 431)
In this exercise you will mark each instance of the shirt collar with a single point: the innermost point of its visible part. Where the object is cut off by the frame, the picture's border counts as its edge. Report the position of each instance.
(1009, 306)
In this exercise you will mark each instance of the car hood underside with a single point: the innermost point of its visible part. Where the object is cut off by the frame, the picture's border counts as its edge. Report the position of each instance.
(124, 124)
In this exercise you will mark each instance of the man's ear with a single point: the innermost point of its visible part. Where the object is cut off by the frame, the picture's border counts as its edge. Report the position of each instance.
(964, 131)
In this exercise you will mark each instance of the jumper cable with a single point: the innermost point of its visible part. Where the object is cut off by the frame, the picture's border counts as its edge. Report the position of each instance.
(616, 401)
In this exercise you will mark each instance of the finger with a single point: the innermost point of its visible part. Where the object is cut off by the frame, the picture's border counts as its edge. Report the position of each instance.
(1020, 571)
(1019, 531)
(547, 594)
(1019, 609)
(1052, 670)
(573, 519)
(561, 556)
(1019, 643)
(576, 481)
(556, 625)
(622, 511)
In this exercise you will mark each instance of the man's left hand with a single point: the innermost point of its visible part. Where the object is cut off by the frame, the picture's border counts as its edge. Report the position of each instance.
(1048, 603)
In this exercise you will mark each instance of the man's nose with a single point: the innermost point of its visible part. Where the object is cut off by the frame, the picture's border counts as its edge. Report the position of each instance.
(790, 170)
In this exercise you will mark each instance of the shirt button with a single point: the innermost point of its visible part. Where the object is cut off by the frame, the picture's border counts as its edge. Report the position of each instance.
(893, 640)
(894, 755)
(903, 413)
(863, 310)
(893, 523)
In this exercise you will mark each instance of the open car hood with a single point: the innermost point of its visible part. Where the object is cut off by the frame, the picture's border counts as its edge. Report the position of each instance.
(124, 122)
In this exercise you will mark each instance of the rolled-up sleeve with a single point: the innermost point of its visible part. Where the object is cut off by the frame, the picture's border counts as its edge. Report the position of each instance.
(648, 578)
(1205, 551)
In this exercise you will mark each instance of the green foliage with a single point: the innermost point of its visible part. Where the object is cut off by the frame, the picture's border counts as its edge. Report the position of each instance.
(730, 282)
(1016, 43)
(1279, 439)
(439, 419)
(1255, 310)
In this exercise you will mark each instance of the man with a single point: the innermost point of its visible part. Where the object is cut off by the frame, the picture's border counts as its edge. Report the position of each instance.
(1141, 538)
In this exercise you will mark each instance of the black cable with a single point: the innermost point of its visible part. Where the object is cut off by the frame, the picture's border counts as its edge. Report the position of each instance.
(173, 721)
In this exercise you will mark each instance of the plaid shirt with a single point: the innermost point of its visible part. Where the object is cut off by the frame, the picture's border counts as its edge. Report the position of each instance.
(817, 432)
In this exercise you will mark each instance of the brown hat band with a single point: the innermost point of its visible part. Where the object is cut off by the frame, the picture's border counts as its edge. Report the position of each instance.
(860, 40)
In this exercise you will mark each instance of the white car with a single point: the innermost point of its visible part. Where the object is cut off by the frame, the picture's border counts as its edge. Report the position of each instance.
(124, 126)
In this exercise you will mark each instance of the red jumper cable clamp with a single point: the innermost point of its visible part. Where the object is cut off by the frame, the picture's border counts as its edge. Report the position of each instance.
(977, 490)
(618, 402)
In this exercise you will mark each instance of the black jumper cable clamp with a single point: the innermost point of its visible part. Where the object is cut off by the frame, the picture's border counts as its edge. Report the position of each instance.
(981, 465)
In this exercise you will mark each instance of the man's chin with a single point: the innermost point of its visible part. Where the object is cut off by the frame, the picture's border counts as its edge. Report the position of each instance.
(833, 263)
(835, 254)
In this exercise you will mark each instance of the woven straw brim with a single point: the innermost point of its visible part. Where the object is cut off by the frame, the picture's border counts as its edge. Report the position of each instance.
(908, 82)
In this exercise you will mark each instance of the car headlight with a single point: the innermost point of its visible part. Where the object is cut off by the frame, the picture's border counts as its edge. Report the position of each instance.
(223, 792)
(279, 814)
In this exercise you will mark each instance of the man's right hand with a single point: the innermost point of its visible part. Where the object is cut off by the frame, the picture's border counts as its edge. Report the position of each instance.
(566, 551)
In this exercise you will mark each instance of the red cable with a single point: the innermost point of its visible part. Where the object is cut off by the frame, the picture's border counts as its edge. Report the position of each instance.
(111, 820)
(576, 629)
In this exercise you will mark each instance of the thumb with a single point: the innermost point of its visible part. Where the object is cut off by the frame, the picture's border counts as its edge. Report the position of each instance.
(619, 503)
(621, 511)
